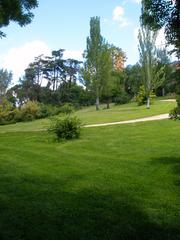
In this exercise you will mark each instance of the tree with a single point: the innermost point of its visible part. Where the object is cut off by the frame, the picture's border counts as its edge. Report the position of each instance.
(152, 76)
(163, 61)
(118, 58)
(163, 13)
(16, 10)
(106, 68)
(93, 56)
(5, 81)
(133, 79)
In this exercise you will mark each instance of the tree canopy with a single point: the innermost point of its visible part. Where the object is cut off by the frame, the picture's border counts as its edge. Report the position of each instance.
(16, 10)
(164, 13)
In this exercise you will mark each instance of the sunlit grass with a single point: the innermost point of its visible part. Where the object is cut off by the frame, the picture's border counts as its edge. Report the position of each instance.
(89, 115)
(114, 183)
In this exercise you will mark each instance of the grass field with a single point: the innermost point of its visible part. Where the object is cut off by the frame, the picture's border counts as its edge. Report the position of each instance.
(89, 115)
(114, 183)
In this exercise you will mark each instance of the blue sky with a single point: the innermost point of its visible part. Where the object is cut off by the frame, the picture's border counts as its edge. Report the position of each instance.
(65, 24)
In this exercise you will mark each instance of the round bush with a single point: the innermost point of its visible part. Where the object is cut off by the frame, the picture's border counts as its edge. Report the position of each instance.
(65, 128)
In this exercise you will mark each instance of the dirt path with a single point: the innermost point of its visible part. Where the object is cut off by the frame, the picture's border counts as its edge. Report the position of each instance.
(153, 118)
(168, 100)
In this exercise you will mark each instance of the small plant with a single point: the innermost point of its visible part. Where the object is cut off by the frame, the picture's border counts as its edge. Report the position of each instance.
(175, 113)
(65, 128)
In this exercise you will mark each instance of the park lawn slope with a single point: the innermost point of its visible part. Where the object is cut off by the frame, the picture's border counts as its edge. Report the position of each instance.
(89, 115)
(114, 183)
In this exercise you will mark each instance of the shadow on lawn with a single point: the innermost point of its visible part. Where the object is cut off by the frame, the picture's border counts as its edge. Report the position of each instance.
(174, 163)
(46, 209)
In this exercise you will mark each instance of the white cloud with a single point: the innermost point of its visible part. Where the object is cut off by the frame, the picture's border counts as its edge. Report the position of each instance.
(118, 16)
(137, 1)
(160, 40)
(125, 2)
(73, 54)
(17, 59)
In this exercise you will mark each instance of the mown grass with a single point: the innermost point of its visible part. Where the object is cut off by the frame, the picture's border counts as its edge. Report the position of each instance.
(123, 112)
(89, 115)
(114, 183)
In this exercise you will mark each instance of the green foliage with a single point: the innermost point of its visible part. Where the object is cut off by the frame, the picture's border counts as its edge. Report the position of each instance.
(5, 105)
(16, 10)
(175, 113)
(133, 79)
(92, 65)
(67, 109)
(5, 81)
(122, 98)
(141, 98)
(65, 128)
(163, 13)
(6, 111)
(47, 110)
(30, 111)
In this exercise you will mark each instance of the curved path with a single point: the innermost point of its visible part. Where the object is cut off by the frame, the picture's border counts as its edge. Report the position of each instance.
(153, 118)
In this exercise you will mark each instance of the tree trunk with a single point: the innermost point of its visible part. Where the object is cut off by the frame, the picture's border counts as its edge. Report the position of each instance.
(108, 103)
(148, 103)
(97, 103)
(163, 92)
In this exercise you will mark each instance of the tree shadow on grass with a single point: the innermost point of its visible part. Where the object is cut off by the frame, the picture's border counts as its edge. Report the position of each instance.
(174, 163)
(168, 160)
(48, 209)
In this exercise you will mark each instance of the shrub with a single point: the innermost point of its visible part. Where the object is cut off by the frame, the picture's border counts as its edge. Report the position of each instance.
(30, 111)
(178, 100)
(65, 128)
(141, 98)
(175, 113)
(67, 109)
(122, 98)
(6, 111)
(47, 110)
(5, 105)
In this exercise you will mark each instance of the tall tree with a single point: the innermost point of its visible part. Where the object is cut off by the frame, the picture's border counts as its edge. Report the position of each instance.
(5, 81)
(106, 68)
(93, 55)
(147, 40)
(16, 10)
(152, 76)
(164, 13)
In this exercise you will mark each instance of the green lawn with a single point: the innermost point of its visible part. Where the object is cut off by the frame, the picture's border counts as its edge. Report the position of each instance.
(123, 112)
(114, 183)
(89, 115)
